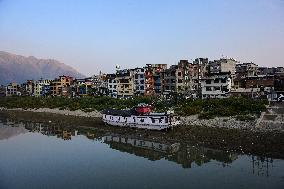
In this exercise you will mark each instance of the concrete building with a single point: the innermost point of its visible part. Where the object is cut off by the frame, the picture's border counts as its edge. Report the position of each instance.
(42, 87)
(112, 85)
(82, 87)
(125, 85)
(139, 81)
(216, 85)
(197, 70)
(246, 69)
(176, 78)
(12, 89)
(27, 88)
(154, 81)
(61, 86)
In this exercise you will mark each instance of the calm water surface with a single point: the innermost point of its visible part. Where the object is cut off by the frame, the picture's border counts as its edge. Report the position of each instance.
(33, 155)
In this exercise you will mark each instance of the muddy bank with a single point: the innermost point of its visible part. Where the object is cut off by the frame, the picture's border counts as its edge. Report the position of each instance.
(79, 113)
(269, 143)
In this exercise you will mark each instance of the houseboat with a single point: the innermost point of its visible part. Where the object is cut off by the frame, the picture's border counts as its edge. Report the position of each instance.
(140, 117)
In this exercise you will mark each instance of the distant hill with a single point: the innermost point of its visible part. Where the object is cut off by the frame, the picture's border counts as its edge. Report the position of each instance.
(16, 68)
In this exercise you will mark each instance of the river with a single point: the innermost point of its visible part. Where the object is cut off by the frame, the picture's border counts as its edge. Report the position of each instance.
(37, 155)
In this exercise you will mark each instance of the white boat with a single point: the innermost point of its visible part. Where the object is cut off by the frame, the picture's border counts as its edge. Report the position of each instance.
(140, 117)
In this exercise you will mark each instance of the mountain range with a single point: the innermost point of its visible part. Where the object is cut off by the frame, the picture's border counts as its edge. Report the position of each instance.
(17, 68)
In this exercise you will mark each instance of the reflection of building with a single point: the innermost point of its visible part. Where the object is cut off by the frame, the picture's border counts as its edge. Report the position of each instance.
(153, 149)
(148, 149)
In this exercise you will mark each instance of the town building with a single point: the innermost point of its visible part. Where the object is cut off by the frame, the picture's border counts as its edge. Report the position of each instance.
(13, 90)
(139, 81)
(216, 85)
(82, 87)
(176, 78)
(154, 81)
(197, 70)
(61, 86)
(2, 91)
(125, 85)
(42, 87)
(246, 69)
(27, 88)
(112, 85)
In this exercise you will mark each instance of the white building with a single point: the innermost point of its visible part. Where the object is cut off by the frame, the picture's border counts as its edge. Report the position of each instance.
(12, 89)
(216, 85)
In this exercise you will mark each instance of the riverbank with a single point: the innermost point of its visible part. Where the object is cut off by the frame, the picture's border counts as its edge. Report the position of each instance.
(78, 113)
(230, 122)
(259, 142)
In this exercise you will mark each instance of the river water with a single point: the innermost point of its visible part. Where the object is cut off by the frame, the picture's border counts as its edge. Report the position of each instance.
(34, 155)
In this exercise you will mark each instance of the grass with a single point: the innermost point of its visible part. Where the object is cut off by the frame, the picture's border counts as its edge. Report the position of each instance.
(206, 109)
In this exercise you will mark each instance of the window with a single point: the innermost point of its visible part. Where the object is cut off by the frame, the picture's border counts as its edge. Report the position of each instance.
(224, 80)
(179, 80)
(208, 89)
(217, 88)
(208, 81)
(179, 73)
(136, 76)
(110, 86)
(216, 80)
(141, 81)
(141, 87)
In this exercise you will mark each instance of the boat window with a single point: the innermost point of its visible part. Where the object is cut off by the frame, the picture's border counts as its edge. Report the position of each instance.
(166, 120)
(142, 120)
(153, 120)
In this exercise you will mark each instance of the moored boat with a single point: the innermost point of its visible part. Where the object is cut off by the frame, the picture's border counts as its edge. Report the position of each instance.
(140, 117)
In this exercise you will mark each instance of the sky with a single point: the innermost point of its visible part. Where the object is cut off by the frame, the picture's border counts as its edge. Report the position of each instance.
(96, 35)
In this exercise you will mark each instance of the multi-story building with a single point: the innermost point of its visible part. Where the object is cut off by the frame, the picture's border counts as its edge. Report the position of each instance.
(216, 85)
(112, 85)
(82, 87)
(124, 80)
(12, 89)
(2, 90)
(174, 79)
(61, 86)
(196, 71)
(42, 87)
(27, 88)
(154, 81)
(223, 65)
(139, 81)
(246, 69)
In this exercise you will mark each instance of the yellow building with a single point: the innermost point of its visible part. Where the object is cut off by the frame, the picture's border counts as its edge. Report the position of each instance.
(61, 86)
(124, 80)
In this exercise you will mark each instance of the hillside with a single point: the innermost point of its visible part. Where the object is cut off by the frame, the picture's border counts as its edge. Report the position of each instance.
(17, 68)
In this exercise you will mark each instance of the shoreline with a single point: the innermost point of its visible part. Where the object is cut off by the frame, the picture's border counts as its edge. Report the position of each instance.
(258, 124)
(259, 142)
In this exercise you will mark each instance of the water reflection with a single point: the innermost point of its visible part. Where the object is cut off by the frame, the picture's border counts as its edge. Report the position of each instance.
(153, 149)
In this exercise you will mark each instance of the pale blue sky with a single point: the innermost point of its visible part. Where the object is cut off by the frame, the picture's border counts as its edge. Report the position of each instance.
(93, 35)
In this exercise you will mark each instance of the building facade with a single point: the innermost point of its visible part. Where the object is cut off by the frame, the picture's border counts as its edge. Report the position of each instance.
(124, 80)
